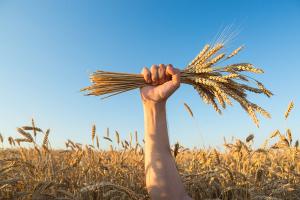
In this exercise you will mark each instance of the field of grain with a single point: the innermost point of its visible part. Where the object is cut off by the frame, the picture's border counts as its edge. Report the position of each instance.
(36, 171)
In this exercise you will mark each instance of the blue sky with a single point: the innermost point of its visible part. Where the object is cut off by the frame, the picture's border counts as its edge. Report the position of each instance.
(48, 48)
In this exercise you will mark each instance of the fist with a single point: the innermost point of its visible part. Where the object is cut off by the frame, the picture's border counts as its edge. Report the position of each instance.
(163, 82)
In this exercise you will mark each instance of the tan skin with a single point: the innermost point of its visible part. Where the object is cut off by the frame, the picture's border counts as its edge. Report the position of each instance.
(162, 177)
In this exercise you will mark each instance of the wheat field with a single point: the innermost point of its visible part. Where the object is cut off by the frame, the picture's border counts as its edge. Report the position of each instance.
(29, 170)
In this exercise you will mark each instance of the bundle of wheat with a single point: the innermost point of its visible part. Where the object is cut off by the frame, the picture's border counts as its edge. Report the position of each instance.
(213, 83)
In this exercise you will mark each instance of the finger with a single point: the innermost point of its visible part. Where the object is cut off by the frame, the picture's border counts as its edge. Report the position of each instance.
(154, 74)
(161, 74)
(168, 75)
(174, 73)
(146, 74)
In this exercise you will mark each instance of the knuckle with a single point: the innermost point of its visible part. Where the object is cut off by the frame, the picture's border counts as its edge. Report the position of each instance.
(144, 69)
(161, 68)
(153, 67)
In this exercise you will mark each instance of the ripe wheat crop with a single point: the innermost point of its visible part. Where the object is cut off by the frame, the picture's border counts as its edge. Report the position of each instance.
(215, 84)
(29, 170)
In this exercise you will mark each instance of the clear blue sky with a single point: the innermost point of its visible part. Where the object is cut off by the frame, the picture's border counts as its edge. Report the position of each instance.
(48, 48)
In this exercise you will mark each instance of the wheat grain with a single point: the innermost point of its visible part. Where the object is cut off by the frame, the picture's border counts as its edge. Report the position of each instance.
(289, 109)
(289, 135)
(25, 134)
(118, 137)
(97, 142)
(1, 138)
(187, 107)
(201, 53)
(250, 138)
(33, 126)
(45, 140)
(136, 137)
(107, 138)
(93, 132)
(11, 141)
(275, 133)
(235, 52)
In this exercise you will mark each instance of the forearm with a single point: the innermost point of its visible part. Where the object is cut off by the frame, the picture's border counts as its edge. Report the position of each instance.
(162, 178)
(156, 133)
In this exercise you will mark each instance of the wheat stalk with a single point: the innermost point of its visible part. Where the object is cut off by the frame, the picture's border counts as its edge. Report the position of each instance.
(215, 84)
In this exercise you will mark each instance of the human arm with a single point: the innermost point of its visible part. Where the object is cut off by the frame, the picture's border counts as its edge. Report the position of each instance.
(162, 177)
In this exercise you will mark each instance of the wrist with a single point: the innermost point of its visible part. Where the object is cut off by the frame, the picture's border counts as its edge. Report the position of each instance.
(152, 105)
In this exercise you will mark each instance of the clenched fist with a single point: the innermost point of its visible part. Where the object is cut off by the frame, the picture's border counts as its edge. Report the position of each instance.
(164, 81)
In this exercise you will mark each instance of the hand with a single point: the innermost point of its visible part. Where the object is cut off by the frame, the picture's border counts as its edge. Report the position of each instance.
(164, 81)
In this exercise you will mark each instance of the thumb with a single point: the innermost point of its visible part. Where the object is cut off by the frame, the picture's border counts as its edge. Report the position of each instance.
(174, 73)
(168, 88)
